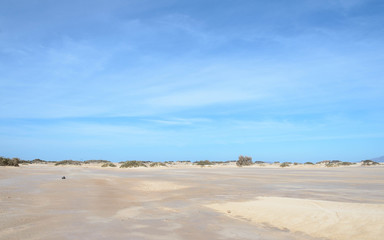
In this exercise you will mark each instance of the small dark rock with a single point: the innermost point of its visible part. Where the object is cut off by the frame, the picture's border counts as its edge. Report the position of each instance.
(63, 177)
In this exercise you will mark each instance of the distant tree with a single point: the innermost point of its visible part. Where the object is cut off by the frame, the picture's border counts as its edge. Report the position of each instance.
(244, 161)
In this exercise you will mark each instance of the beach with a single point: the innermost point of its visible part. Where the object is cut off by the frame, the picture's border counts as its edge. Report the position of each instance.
(191, 202)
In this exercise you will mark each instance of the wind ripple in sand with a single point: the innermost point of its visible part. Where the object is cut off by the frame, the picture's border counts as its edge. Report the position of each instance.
(324, 219)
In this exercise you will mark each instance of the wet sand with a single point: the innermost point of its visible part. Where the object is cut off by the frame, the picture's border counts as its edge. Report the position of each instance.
(191, 203)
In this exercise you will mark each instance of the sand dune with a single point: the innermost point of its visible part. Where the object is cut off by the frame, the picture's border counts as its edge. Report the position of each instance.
(324, 219)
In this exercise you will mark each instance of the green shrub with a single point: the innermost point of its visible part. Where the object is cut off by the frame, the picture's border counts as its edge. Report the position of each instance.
(244, 161)
(108, 165)
(285, 164)
(157, 164)
(308, 163)
(9, 161)
(131, 164)
(68, 162)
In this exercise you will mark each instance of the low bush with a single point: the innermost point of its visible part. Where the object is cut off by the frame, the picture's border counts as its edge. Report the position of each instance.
(109, 164)
(131, 164)
(244, 161)
(38, 161)
(9, 161)
(331, 164)
(345, 163)
(24, 162)
(157, 164)
(68, 162)
(203, 163)
(96, 161)
(308, 163)
(368, 163)
(337, 163)
(217, 162)
(285, 164)
(231, 161)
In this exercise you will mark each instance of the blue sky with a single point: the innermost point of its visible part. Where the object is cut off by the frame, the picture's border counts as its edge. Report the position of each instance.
(192, 80)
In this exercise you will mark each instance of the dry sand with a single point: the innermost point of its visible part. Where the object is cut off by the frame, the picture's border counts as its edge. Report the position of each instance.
(191, 203)
(323, 219)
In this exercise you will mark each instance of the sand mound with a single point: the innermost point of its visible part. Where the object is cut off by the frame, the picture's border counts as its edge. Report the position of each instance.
(333, 220)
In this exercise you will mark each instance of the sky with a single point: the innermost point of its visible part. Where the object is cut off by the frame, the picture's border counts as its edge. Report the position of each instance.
(168, 80)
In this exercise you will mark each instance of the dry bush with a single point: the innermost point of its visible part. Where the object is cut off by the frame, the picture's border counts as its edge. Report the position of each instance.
(244, 161)
(203, 163)
(109, 164)
(96, 161)
(259, 162)
(68, 162)
(38, 161)
(157, 164)
(9, 161)
(285, 164)
(369, 163)
(133, 163)
(345, 163)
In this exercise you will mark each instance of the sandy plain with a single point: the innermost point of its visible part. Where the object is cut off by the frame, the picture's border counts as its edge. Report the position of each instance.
(191, 203)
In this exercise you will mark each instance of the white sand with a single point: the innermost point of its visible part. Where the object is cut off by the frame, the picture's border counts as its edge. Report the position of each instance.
(324, 219)
(157, 186)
